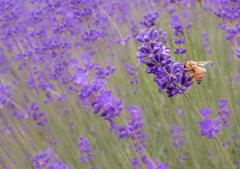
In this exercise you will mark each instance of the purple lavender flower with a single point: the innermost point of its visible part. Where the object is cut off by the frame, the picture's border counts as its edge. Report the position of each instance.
(180, 112)
(237, 162)
(150, 19)
(123, 41)
(94, 167)
(112, 109)
(205, 112)
(118, 91)
(48, 160)
(177, 137)
(159, 60)
(206, 43)
(133, 80)
(131, 129)
(237, 78)
(238, 49)
(149, 165)
(231, 32)
(163, 36)
(229, 11)
(147, 37)
(34, 112)
(101, 74)
(84, 149)
(135, 163)
(233, 136)
(223, 112)
(79, 78)
(92, 35)
(211, 156)
(210, 128)
(226, 145)
(133, 126)
(181, 158)
(52, 142)
(178, 31)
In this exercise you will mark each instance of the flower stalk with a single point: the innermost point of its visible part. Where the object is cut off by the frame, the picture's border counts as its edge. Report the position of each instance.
(218, 68)
(196, 110)
(185, 35)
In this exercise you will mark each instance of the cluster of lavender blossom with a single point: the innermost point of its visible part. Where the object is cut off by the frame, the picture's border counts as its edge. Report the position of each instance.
(155, 56)
(170, 75)
(102, 101)
(178, 141)
(205, 44)
(223, 112)
(228, 11)
(48, 160)
(40, 48)
(85, 150)
(44, 58)
(210, 127)
(178, 31)
(132, 74)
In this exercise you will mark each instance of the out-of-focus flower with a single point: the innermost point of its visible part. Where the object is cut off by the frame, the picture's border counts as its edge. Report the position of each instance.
(48, 160)
(149, 165)
(123, 41)
(205, 112)
(181, 158)
(223, 112)
(155, 56)
(132, 74)
(150, 19)
(177, 137)
(233, 136)
(84, 149)
(232, 33)
(180, 112)
(237, 162)
(135, 163)
(211, 156)
(210, 128)
(237, 78)
(226, 145)
(101, 74)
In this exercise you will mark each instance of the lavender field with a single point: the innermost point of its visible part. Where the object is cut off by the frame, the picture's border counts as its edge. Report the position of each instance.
(109, 84)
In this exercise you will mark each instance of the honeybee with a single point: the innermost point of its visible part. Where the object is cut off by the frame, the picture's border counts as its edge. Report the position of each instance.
(193, 67)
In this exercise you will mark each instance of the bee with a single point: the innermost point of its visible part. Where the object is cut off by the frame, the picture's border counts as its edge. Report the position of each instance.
(193, 67)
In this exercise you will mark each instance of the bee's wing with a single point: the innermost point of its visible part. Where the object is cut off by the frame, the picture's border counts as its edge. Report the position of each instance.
(200, 68)
(203, 63)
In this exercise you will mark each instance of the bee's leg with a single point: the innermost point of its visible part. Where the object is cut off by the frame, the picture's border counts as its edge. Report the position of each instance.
(192, 77)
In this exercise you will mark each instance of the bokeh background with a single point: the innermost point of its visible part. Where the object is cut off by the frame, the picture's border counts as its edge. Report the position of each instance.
(53, 51)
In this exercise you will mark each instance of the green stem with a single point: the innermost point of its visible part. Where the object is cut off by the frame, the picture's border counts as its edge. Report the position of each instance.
(34, 78)
(114, 24)
(66, 34)
(18, 135)
(183, 92)
(145, 152)
(219, 71)
(185, 35)
(119, 147)
(219, 143)
(6, 158)
(192, 105)
(225, 154)
(137, 155)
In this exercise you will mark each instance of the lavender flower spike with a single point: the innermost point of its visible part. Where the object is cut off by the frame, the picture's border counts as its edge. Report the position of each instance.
(210, 128)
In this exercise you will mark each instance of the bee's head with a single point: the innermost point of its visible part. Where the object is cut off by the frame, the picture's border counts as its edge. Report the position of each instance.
(185, 65)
